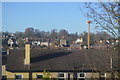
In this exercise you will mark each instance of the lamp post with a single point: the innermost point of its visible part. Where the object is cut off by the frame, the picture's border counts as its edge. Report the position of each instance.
(88, 37)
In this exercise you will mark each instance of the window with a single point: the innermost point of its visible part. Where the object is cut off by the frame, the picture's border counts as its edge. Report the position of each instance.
(39, 76)
(18, 77)
(81, 76)
(61, 76)
(4, 77)
(102, 74)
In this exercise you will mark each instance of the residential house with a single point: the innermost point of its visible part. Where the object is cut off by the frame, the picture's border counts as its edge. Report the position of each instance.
(77, 44)
(44, 43)
(61, 64)
(79, 40)
(63, 42)
(103, 45)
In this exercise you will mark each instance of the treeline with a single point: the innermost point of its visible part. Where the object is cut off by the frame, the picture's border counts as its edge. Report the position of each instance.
(54, 35)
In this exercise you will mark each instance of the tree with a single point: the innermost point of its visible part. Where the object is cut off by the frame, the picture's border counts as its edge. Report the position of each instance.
(29, 32)
(37, 33)
(20, 42)
(72, 37)
(106, 15)
(19, 35)
(62, 33)
(102, 36)
(54, 34)
(47, 75)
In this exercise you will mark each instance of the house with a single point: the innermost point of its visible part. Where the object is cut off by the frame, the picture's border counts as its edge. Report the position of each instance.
(77, 44)
(79, 40)
(102, 45)
(63, 42)
(44, 43)
(60, 64)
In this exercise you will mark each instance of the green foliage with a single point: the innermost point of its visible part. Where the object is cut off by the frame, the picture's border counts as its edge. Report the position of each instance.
(47, 75)
(117, 75)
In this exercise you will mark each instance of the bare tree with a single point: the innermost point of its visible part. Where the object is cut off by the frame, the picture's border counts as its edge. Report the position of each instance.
(106, 15)
(29, 32)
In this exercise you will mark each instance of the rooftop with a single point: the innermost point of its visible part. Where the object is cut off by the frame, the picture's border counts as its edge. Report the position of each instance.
(63, 60)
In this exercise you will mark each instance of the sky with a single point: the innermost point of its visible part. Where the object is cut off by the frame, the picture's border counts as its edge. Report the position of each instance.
(17, 16)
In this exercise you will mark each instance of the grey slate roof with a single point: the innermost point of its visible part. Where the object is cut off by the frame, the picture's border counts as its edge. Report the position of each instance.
(62, 60)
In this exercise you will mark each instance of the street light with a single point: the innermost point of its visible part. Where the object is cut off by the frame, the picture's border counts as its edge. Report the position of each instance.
(88, 37)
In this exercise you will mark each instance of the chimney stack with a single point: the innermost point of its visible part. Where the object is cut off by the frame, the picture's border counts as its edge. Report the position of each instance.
(27, 54)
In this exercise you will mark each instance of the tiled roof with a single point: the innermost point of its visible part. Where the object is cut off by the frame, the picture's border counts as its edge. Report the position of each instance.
(62, 60)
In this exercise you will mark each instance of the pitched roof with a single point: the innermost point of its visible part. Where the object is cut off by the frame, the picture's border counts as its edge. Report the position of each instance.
(62, 60)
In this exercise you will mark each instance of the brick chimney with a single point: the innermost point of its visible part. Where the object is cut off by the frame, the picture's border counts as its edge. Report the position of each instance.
(27, 54)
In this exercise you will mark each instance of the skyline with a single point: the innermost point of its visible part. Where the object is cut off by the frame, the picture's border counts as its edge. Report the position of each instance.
(45, 16)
